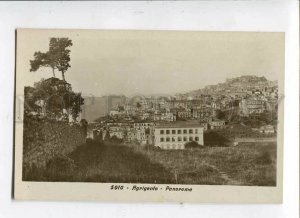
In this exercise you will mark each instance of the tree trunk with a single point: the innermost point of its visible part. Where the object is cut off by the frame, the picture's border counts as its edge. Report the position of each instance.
(53, 72)
(63, 76)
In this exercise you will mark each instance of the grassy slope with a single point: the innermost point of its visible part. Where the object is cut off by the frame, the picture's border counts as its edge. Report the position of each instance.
(248, 164)
(95, 162)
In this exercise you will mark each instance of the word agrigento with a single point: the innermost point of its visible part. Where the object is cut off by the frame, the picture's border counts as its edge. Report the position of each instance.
(150, 188)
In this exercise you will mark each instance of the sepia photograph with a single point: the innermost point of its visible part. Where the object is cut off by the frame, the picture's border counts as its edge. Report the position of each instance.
(157, 111)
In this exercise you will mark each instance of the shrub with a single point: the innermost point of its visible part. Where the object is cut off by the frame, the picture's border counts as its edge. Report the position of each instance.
(214, 138)
(192, 145)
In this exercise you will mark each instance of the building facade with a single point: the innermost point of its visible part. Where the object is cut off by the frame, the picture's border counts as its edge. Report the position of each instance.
(175, 135)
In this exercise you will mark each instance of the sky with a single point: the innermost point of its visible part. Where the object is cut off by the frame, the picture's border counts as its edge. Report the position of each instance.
(153, 62)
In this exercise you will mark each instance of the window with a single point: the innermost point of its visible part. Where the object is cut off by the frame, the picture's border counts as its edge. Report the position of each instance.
(191, 139)
(184, 131)
(196, 131)
(196, 139)
(162, 139)
(179, 131)
(173, 139)
(179, 139)
(184, 139)
(190, 131)
(173, 131)
(167, 139)
(167, 131)
(162, 131)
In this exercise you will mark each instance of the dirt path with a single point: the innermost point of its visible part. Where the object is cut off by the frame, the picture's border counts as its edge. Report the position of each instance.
(224, 175)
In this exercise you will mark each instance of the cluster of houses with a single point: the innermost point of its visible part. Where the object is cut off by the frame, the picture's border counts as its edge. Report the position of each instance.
(171, 121)
(147, 132)
(167, 135)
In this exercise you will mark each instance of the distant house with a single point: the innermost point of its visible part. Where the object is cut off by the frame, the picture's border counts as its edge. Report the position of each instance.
(142, 125)
(145, 115)
(184, 113)
(131, 136)
(168, 116)
(93, 134)
(114, 113)
(252, 105)
(117, 133)
(267, 129)
(144, 131)
(216, 124)
(202, 113)
(205, 126)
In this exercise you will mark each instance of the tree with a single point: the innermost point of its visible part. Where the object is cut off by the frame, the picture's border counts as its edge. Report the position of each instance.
(56, 95)
(84, 125)
(30, 100)
(42, 60)
(220, 114)
(58, 56)
(107, 136)
(138, 105)
(75, 103)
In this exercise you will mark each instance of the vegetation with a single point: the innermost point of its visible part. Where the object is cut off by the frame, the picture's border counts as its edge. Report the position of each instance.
(98, 162)
(258, 120)
(57, 57)
(215, 138)
(192, 145)
(222, 137)
(247, 164)
(52, 96)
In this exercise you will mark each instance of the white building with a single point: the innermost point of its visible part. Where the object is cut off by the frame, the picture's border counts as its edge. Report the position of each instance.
(175, 135)
(267, 129)
(142, 125)
(216, 124)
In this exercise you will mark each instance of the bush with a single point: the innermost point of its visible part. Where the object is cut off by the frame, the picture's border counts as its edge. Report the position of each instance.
(215, 138)
(191, 145)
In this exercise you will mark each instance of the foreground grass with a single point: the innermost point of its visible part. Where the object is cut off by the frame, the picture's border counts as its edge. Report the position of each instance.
(96, 162)
(252, 164)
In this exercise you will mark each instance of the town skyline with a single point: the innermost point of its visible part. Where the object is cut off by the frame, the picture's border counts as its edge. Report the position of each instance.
(160, 62)
(185, 92)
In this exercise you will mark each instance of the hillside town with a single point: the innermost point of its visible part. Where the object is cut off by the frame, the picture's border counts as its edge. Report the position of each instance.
(169, 122)
(220, 134)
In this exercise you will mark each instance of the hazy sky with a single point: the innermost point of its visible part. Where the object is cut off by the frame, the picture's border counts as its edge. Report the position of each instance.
(154, 62)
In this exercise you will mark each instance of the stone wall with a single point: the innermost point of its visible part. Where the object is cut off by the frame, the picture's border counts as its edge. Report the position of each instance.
(44, 139)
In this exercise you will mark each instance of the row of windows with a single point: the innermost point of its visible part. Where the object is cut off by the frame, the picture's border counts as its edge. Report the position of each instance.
(185, 131)
(179, 139)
